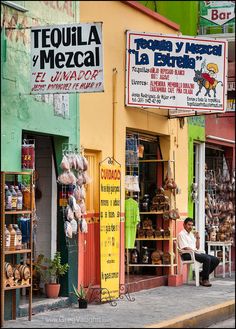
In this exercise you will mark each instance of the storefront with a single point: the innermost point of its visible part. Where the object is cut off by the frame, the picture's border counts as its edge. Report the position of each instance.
(220, 196)
(106, 124)
(44, 122)
(151, 193)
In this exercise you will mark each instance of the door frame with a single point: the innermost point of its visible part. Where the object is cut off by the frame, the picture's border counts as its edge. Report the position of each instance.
(199, 205)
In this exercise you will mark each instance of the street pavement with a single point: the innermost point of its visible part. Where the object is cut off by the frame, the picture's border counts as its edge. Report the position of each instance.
(150, 307)
(229, 323)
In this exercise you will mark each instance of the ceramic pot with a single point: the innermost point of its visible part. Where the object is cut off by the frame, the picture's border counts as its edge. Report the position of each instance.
(52, 290)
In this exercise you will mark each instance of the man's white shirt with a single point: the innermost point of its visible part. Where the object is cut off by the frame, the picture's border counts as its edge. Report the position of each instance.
(186, 240)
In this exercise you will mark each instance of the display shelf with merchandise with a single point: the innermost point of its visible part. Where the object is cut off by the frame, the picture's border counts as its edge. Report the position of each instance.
(16, 271)
(156, 234)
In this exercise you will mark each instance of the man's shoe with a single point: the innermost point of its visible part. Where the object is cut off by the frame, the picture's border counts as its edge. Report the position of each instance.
(205, 283)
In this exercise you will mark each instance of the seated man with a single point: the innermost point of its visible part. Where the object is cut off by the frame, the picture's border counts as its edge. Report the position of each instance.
(187, 241)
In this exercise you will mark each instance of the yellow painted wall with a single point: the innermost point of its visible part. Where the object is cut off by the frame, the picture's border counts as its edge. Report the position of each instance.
(96, 108)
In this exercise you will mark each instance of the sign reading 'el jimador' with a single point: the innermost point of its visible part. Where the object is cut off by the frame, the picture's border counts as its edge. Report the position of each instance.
(110, 178)
(67, 59)
(176, 72)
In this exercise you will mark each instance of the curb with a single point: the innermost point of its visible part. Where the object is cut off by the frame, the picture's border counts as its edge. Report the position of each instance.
(200, 319)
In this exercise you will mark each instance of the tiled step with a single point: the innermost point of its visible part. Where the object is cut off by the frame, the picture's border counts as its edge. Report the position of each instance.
(136, 283)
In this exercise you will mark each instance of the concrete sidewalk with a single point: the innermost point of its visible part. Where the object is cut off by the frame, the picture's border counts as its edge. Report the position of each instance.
(184, 306)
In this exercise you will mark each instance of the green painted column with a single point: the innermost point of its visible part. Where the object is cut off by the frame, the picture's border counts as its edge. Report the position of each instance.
(184, 13)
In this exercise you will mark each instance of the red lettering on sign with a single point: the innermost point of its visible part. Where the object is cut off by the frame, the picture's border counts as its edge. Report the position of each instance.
(215, 15)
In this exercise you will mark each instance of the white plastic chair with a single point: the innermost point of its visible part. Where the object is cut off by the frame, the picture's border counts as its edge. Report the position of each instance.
(196, 266)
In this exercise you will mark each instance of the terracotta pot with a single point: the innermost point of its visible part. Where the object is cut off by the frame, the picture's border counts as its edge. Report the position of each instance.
(52, 290)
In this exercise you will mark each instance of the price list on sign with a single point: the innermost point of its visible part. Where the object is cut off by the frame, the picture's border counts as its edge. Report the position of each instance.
(110, 178)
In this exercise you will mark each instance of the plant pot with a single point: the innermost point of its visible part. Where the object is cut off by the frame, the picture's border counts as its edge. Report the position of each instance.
(83, 303)
(52, 290)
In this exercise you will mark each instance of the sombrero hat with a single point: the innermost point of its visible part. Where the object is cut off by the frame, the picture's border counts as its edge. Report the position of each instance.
(213, 67)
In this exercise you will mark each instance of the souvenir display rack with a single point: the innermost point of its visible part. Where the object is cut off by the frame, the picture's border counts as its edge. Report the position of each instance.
(8, 278)
(142, 164)
(156, 217)
(220, 205)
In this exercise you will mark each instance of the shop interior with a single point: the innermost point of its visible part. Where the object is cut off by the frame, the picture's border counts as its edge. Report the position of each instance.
(219, 199)
(45, 215)
(146, 172)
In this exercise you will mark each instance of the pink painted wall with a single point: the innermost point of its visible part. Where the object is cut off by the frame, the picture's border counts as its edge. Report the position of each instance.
(221, 125)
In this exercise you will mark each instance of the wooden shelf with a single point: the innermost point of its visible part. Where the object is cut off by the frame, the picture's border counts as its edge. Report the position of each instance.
(155, 265)
(170, 245)
(7, 173)
(145, 161)
(20, 251)
(151, 212)
(27, 250)
(17, 212)
(18, 287)
(155, 239)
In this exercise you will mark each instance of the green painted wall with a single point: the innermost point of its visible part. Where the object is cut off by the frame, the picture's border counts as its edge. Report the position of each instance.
(184, 13)
(21, 111)
(196, 133)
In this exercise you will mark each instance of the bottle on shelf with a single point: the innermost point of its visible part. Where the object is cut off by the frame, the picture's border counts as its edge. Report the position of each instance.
(13, 198)
(8, 198)
(7, 238)
(134, 256)
(24, 225)
(145, 203)
(19, 204)
(145, 255)
(18, 237)
(12, 237)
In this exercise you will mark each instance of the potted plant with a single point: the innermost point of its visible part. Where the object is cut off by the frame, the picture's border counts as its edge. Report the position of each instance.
(50, 271)
(82, 296)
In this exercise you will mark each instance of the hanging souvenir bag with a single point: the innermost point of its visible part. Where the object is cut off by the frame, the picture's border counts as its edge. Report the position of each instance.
(74, 226)
(78, 213)
(69, 213)
(84, 226)
(82, 207)
(85, 163)
(83, 193)
(65, 165)
(80, 178)
(68, 229)
(77, 193)
(80, 165)
(86, 178)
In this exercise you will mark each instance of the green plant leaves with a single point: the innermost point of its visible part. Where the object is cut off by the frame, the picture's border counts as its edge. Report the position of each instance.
(51, 269)
(80, 293)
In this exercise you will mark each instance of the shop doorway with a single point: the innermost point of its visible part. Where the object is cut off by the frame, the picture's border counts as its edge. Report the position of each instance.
(220, 199)
(45, 223)
(89, 243)
(46, 197)
(144, 177)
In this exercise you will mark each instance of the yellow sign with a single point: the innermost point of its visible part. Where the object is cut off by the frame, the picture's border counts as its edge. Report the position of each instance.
(110, 176)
